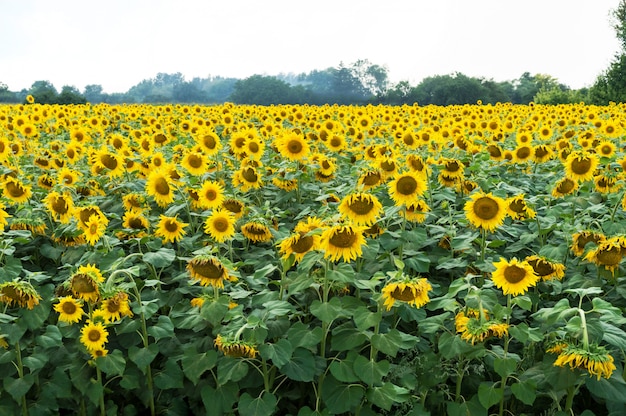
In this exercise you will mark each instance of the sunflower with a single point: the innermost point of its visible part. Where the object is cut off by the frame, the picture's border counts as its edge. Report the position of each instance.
(256, 232)
(83, 214)
(518, 209)
(220, 225)
(209, 142)
(19, 293)
(343, 242)
(115, 307)
(309, 224)
(485, 211)
(157, 186)
(134, 202)
(209, 271)
(135, 220)
(99, 352)
(546, 269)
(387, 166)
(211, 195)
(195, 163)
(476, 326)
(84, 283)
(453, 168)
(235, 347)
(95, 228)
(605, 183)
(564, 186)
(605, 148)
(522, 153)
(415, 211)
(542, 153)
(170, 229)
(254, 147)
(247, 177)
(580, 166)
(16, 191)
(298, 244)
(514, 277)
(70, 310)
(406, 187)
(60, 206)
(94, 336)
(415, 163)
(608, 253)
(370, 179)
(3, 217)
(111, 164)
(235, 206)
(413, 291)
(30, 99)
(582, 238)
(595, 360)
(361, 208)
(293, 146)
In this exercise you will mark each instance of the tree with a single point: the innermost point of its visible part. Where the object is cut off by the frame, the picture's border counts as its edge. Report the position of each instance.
(70, 95)
(263, 90)
(43, 92)
(7, 96)
(93, 93)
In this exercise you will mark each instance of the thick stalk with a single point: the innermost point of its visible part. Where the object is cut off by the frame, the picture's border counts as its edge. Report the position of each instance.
(144, 338)
(20, 373)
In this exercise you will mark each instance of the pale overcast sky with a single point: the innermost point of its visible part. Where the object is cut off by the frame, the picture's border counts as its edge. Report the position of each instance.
(118, 43)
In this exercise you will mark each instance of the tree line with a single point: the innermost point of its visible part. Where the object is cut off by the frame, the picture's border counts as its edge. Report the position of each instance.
(361, 82)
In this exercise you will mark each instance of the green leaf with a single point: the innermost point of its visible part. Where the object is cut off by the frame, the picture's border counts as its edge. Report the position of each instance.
(277, 308)
(387, 395)
(34, 318)
(52, 338)
(343, 371)
(365, 319)
(142, 357)
(301, 366)
(195, 364)
(612, 389)
(219, 401)
(393, 341)
(525, 392)
(370, 371)
(264, 405)
(50, 252)
(171, 377)
(489, 394)
(148, 308)
(18, 387)
(347, 337)
(215, 311)
(613, 335)
(300, 335)
(523, 333)
(504, 366)
(523, 302)
(339, 397)
(112, 364)
(164, 328)
(163, 257)
(279, 353)
(231, 369)
(328, 311)
(264, 271)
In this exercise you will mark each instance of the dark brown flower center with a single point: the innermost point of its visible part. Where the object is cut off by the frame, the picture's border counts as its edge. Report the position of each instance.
(69, 308)
(514, 274)
(161, 187)
(221, 224)
(343, 239)
(302, 244)
(581, 166)
(207, 269)
(486, 208)
(406, 185)
(405, 295)
(94, 335)
(361, 205)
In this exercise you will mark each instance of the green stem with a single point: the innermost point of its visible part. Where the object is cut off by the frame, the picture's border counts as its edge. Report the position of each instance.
(618, 203)
(583, 327)
(101, 398)
(459, 380)
(20, 373)
(144, 338)
(506, 349)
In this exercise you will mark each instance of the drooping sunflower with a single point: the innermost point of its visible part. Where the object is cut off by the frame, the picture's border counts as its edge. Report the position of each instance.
(370, 179)
(115, 307)
(83, 214)
(514, 277)
(246, 178)
(84, 283)
(564, 186)
(416, 211)
(595, 360)
(546, 269)
(580, 165)
(605, 184)
(209, 271)
(256, 232)
(60, 206)
(170, 229)
(361, 208)
(211, 195)
(343, 242)
(220, 225)
(518, 209)
(542, 153)
(298, 244)
(410, 290)
(232, 347)
(19, 293)
(134, 201)
(477, 326)
(416, 163)
(70, 310)
(608, 253)
(93, 336)
(293, 146)
(485, 211)
(406, 188)
(235, 206)
(15, 190)
(453, 168)
(158, 186)
(582, 238)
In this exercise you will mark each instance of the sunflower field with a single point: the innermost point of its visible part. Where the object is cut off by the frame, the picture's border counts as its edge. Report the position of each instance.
(303, 260)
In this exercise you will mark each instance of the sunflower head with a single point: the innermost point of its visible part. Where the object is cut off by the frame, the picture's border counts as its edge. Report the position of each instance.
(19, 293)
(70, 309)
(546, 269)
(361, 208)
(209, 271)
(582, 238)
(514, 277)
(85, 283)
(233, 347)
(410, 290)
(485, 211)
(595, 360)
(343, 242)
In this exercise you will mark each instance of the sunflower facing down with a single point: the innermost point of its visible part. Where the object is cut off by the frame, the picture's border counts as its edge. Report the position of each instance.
(582, 238)
(405, 188)
(170, 229)
(546, 269)
(514, 277)
(235, 348)
(415, 211)
(84, 284)
(209, 271)
(485, 211)
(608, 253)
(298, 244)
(343, 242)
(256, 231)
(16, 191)
(564, 186)
(220, 225)
(477, 327)
(361, 208)
(19, 293)
(518, 209)
(70, 310)
(60, 206)
(413, 291)
(595, 360)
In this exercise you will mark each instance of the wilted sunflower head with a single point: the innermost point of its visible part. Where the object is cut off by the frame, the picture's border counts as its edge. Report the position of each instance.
(208, 270)
(84, 283)
(582, 238)
(545, 268)
(413, 291)
(235, 348)
(19, 293)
